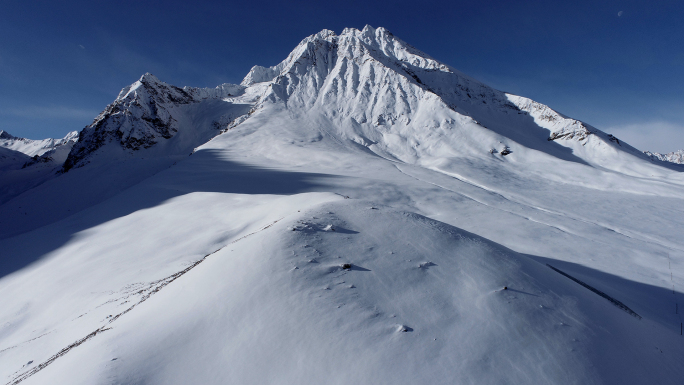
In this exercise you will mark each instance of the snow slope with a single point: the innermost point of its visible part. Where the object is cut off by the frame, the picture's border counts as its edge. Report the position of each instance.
(358, 149)
(12, 159)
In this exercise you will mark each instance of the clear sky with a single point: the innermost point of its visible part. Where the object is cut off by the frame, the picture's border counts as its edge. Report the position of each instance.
(617, 65)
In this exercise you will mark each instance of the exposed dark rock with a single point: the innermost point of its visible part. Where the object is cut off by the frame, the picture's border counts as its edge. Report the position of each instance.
(139, 118)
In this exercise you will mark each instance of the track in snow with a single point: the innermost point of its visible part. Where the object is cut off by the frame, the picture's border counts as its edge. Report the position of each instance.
(599, 292)
(155, 287)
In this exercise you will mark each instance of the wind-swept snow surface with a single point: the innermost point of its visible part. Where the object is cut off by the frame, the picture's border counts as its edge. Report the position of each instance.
(363, 214)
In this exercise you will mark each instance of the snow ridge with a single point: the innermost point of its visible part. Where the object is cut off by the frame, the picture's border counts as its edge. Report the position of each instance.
(561, 127)
(672, 157)
(32, 147)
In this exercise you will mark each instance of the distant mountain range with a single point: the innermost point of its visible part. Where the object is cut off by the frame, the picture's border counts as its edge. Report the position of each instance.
(674, 156)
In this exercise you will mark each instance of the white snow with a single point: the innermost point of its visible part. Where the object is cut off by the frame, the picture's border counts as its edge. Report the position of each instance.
(673, 157)
(26, 163)
(32, 147)
(229, 265)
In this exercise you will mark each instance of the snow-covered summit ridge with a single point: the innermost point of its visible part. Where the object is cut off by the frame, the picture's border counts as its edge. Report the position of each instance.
(372, 86)
(672, 157)
(377, 38)
(33, 147)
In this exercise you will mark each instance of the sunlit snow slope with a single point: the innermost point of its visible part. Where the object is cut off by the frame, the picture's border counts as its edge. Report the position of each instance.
(363, 214)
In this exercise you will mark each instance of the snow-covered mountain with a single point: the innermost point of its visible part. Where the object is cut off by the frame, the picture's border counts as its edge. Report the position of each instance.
(52, 151)
(358, 213)
(376, 91)
(32, 147)
(150, 111)
(673, 157)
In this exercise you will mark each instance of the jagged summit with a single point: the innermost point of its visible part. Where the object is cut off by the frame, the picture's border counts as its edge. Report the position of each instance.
(148, 77)
(5, 135)
(150, 111)
(378, 38)
(672, 157)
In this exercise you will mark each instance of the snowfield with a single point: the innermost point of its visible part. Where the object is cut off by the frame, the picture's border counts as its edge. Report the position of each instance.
(359, 213)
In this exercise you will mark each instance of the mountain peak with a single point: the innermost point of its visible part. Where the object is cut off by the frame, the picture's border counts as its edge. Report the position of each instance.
(326, 34)
(149, 78)
(672, 157)
(5, 135)
(376, 38)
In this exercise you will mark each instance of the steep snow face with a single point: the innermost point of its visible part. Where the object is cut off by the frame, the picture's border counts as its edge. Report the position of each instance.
(32, 147)
(150, 111)
(373, 89)
(672, 157)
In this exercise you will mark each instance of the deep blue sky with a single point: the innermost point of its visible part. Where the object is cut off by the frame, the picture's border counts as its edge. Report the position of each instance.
(62, 62)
